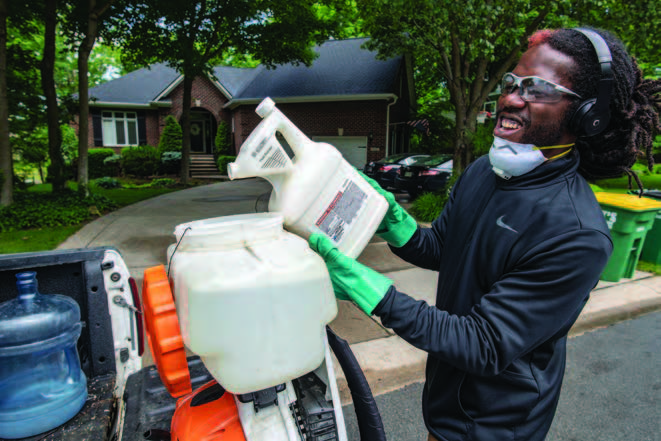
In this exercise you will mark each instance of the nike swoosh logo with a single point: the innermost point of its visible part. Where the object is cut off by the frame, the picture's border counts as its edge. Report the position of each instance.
(502, 224)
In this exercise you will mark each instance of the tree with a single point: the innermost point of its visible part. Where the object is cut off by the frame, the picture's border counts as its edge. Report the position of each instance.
(23, 105)
(56, 168)
(191, 36)
(87, 18)
(6, 170)
(33, 149)
(636, 23)
(467, 46)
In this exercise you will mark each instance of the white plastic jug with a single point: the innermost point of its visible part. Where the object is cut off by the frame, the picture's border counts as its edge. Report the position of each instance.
(252, 299)
(317, 190)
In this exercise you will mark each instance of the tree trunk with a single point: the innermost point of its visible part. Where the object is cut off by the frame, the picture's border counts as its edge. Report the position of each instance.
(465, 127)
(84, 51)
(185, 129)
(6, 163)
(56, 173)
(461, 145)
(83, 121)
(95, 11)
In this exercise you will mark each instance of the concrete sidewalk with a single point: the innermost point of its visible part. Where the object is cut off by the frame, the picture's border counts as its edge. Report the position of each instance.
(143, 231)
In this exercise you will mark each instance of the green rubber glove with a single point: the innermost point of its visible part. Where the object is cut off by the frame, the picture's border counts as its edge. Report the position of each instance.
(397, 226)
(351, 280)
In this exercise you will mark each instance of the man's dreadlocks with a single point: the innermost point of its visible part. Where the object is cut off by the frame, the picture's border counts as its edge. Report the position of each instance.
(635, 104)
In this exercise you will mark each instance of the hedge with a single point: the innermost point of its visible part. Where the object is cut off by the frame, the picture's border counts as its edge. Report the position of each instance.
(95, 162)
(142, 161)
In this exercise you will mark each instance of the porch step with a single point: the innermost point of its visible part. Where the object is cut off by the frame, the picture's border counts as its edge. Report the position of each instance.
(203, 167)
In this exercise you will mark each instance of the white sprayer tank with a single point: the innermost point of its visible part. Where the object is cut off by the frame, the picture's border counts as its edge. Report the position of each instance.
(317, 190)
(252, 299)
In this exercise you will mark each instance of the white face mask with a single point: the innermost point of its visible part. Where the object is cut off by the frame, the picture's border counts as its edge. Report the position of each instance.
(513, 159)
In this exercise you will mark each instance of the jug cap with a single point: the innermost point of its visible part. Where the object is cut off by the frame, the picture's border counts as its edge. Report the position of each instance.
(163, 332)
(34, 321)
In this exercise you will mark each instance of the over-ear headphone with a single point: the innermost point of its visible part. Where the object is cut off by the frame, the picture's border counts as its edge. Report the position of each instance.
(592, 116)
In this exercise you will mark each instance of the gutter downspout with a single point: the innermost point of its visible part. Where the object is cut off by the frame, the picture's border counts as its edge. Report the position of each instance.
(388, 124)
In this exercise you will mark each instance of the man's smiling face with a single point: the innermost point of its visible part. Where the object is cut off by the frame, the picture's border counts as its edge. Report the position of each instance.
(541, 124)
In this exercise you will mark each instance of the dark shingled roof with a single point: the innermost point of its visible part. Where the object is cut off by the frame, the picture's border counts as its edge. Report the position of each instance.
(234, 78)
(140, 86)
(342, 68)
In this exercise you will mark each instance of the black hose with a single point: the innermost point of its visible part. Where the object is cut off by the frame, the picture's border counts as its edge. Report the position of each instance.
(370, 424)
(157, 435)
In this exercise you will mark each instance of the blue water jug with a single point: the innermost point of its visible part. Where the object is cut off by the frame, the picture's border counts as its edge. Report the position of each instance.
(41, 383)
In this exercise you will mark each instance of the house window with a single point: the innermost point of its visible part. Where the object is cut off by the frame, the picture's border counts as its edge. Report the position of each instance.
(119, 128)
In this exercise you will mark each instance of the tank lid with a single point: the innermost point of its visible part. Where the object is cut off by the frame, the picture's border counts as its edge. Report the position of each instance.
(163, 332)
(239, 228)
(33, 317)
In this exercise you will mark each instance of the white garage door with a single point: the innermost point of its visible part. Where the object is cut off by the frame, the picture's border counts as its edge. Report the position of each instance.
(353, 148)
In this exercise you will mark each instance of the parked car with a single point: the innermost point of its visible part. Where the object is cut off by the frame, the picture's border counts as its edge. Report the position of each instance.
(425, 175)
(384, 170)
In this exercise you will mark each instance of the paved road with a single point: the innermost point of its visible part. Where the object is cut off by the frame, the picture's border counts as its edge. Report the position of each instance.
(612, 390)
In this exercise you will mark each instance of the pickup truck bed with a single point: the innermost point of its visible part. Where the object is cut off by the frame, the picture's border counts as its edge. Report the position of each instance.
(91, 277)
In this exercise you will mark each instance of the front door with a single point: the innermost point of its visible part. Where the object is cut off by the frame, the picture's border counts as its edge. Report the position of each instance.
(201, 132)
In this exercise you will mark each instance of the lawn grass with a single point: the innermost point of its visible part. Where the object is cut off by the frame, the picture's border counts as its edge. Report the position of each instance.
(23, 241)
(121, 196)
(35, 240)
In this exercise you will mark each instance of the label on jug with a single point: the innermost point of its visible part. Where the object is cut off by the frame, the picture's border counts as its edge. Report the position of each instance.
(342, 211)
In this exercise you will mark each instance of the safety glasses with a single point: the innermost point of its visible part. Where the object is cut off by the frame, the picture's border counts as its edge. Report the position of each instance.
(534, 89)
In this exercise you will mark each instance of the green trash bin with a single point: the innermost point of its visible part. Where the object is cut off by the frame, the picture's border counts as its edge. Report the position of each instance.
(652, 247)
(629, 219)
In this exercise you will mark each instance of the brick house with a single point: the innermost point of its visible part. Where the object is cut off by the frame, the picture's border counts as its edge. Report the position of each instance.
(347, 98)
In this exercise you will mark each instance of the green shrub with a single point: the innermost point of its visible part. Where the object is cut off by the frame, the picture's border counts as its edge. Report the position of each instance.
(223, 140)
(428, 206)
(155, 183)
(162, 183)
(171, 137)
(95, 166)
(69, 144)
(142, 161)
(170, 163)
(113, 165)
(107, 182)
(39, 210)
(222, 163)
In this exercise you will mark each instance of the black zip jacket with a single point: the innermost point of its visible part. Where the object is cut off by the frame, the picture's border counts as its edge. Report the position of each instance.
(517, 260)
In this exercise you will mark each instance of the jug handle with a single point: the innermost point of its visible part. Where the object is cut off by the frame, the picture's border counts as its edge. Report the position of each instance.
(71, 354)
(280, 123)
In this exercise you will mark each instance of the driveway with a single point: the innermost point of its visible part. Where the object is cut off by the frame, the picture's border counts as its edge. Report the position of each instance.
(143, 231)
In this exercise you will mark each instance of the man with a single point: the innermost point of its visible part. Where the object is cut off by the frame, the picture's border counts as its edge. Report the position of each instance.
(520, 243)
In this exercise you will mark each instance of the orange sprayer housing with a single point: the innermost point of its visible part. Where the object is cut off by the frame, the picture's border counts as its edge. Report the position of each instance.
(207, 414)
